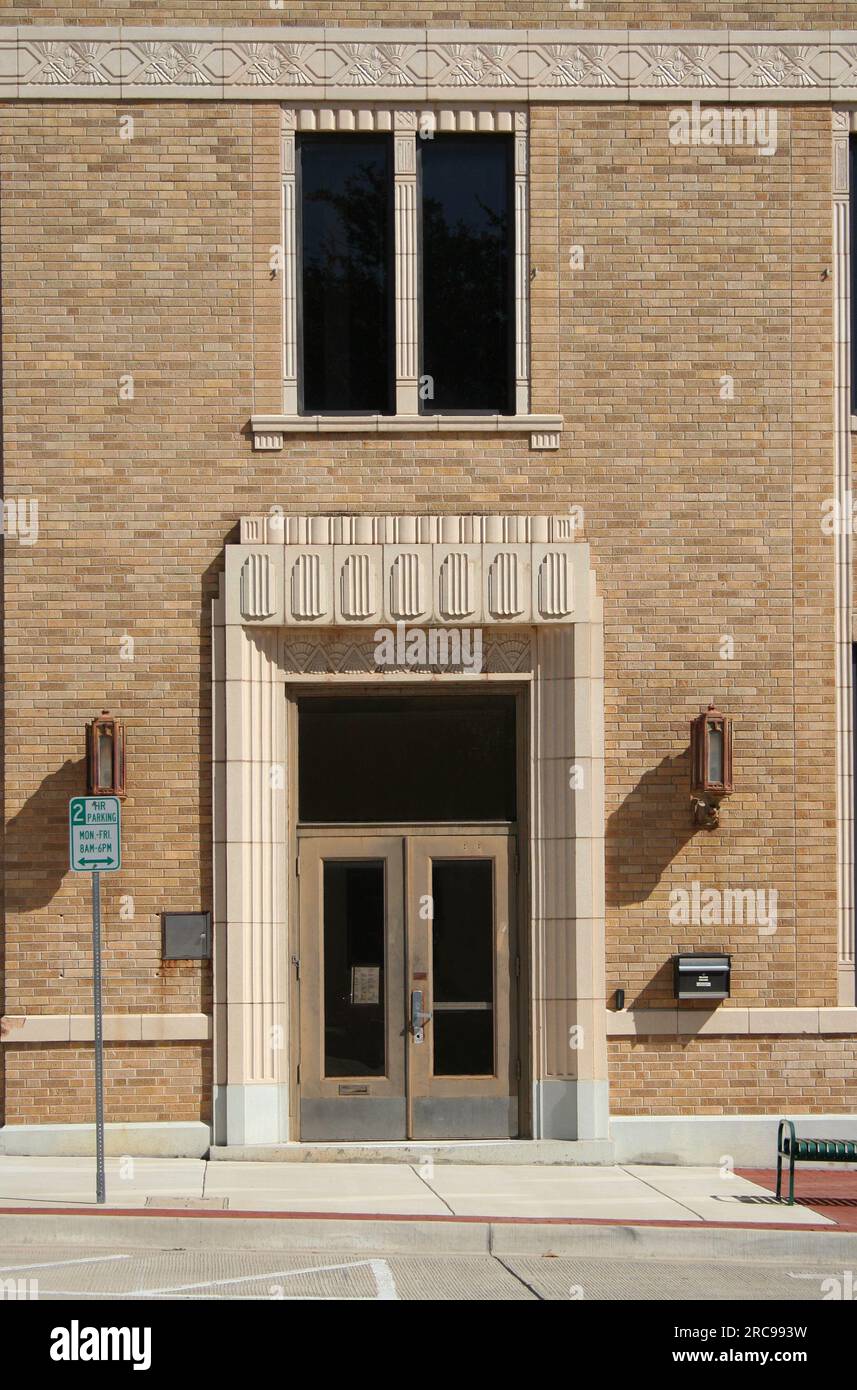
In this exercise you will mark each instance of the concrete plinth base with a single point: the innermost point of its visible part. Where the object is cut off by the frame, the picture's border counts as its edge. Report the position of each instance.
(571, 1110)
(495, 1151)
(178, 1139)
(742, 1141)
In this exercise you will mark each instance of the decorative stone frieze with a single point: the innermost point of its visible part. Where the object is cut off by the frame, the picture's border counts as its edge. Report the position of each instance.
(336, 653)
(445, 65)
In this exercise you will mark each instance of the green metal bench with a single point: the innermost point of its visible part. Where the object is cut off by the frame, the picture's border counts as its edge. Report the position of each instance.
(808, 1151)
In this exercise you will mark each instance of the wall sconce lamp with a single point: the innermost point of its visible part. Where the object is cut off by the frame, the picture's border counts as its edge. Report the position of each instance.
(710, 765)
(105, 756)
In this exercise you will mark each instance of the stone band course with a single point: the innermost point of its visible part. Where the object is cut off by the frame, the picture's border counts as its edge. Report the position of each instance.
(553, 65)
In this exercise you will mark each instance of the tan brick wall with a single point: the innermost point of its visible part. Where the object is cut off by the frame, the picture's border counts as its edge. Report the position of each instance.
(656, 14)
(119, 257)
(141, 1083)
(150, 256)
(733, 1076)
(703, 514)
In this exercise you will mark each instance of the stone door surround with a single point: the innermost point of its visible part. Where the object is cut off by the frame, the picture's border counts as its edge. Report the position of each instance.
(302, 601)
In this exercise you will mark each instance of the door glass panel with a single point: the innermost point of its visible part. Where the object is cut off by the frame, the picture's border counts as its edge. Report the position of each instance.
(354, 1031)
(463, 967)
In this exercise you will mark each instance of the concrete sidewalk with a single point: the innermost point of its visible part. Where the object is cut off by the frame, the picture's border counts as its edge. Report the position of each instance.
(632, 1194)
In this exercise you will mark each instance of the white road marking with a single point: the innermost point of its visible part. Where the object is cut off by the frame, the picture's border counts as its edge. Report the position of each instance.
(384, 1281)
(385, 1284)
(383, 1275)
(61, 1264)
(213, 1297)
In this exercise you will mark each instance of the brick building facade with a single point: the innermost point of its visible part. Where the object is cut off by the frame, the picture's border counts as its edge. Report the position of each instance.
(683, 394)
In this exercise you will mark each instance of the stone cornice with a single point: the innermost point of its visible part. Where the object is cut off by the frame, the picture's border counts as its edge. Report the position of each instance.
(431, 65)
(359, 571)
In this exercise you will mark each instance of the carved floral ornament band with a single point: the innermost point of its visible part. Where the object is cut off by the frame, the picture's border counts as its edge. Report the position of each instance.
(433, 64)
(352, 571)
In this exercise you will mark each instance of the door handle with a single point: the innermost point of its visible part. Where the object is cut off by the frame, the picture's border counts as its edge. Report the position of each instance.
(418, 1017)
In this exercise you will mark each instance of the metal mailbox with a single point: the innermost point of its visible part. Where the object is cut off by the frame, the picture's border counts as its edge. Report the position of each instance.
(702, 975)
(186, 935)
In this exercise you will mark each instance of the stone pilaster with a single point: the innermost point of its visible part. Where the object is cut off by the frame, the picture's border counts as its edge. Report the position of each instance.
(570, 1080)
(843, 556)
(251, 936)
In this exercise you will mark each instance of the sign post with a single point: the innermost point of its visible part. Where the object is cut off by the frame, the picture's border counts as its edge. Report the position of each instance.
(94, 826)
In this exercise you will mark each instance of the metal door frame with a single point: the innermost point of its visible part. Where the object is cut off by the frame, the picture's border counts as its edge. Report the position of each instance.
(348, 686)
(408, 852)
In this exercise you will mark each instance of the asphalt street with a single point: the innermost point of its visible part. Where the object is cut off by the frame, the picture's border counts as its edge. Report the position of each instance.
(51, 1272)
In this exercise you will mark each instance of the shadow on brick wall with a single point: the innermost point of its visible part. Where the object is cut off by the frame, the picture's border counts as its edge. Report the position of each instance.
(36, 848)
(646, 832)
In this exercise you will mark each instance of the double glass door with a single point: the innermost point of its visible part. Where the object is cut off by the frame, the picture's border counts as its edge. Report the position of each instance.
(407, 961)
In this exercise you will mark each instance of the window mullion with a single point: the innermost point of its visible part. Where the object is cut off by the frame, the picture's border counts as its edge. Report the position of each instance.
(405, 176)
(522, 274)
(290, 269)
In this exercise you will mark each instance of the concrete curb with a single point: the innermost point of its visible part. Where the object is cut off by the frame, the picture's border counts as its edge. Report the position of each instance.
(407, 1237)
(756, 1245)
(418, 1237)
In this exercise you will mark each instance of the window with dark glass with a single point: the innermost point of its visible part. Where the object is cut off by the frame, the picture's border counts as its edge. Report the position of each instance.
(415, 758)
(467, 261)
(346, 274)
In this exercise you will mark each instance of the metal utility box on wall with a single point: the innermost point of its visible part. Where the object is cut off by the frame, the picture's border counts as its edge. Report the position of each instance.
(702, 975)
(185, 935)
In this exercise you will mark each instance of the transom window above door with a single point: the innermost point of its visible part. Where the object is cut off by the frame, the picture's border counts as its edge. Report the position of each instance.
(405, 274)
(411, 758)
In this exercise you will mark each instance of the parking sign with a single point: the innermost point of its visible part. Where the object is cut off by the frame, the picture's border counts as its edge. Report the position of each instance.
(94, 834)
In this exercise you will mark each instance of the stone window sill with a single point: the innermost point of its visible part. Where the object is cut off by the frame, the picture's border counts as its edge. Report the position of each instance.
(269, 431)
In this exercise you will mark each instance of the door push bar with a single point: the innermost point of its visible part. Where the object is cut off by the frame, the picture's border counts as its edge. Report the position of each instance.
(418, 1018)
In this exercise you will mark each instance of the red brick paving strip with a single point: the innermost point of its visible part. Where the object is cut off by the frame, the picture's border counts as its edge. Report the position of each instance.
(831, 1193)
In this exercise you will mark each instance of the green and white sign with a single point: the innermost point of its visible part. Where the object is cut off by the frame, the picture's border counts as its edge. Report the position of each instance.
(94, 828)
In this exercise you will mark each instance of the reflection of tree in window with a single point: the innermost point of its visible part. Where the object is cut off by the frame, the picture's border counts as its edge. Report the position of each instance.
(346, 280)
(467, 293)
